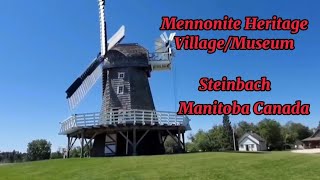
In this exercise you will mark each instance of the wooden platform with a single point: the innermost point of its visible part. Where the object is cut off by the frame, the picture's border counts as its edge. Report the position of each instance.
(123, 118)
(125, 132)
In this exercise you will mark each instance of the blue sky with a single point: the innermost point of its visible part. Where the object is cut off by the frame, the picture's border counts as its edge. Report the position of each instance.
(44, 46)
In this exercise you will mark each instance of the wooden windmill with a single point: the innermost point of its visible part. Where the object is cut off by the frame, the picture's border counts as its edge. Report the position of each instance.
(128, 123)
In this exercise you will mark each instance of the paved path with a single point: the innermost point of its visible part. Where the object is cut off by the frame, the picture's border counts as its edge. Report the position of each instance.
(307, 151)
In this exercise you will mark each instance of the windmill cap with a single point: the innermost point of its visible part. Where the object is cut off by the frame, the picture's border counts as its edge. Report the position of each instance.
(128, 55)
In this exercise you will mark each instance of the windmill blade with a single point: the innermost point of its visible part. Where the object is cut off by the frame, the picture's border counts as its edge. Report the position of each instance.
(163, 38)
(82, 85)
(116, 38)
(103, 32)
(172, 36)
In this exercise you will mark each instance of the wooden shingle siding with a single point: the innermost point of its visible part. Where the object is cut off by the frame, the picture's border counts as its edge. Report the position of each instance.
(132, 60)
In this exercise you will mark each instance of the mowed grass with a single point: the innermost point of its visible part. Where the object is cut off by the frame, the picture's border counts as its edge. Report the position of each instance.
(274, 165)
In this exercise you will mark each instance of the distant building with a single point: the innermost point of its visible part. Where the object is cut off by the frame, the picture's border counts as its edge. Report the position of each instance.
(312, 141)
(252, 142)
(298, 144)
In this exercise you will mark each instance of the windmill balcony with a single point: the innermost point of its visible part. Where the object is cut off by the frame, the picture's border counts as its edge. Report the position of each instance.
(122, 117)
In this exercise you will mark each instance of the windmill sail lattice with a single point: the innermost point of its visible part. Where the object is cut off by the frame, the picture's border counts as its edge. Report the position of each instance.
(82, 85)
(103, 26)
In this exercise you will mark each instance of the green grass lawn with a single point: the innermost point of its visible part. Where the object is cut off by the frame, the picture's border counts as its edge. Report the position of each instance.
(255, 166)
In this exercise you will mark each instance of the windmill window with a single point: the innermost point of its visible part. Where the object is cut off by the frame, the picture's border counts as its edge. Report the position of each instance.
(120, 75)
(120, 90)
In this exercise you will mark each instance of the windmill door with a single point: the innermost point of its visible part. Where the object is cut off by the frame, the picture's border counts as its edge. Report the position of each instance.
(110, 145)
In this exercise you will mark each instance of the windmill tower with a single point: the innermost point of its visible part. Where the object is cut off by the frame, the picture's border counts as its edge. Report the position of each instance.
(128, 123)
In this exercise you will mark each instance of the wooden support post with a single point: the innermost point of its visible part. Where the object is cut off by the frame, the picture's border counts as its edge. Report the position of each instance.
(134, 143)
(160, 137)
(73, 141)
(68, 147)
(82, 140)
(125, 138)
(179, 139)
(127, 142)
(89, 143)
(184, 143)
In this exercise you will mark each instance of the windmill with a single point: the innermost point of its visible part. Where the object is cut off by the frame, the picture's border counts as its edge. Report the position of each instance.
(128, 122)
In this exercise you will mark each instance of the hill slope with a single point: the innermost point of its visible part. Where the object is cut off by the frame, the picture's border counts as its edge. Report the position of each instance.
(276, 165)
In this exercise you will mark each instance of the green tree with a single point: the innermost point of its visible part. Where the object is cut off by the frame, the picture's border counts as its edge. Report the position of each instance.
(12, 157)
(56, 155)
(244, 127)
(270, 130)
(75, 152)
(227, 140)
(38, 150)
(191, 147)
(295, 131)
(217, 138)
(171, 146)
(201, 141)
(212, 140)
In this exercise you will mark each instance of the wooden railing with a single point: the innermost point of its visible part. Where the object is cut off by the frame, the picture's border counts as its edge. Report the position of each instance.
(132, 117)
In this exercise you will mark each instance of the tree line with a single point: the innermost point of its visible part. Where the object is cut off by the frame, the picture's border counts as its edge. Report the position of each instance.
(37, 150)
(220, 137)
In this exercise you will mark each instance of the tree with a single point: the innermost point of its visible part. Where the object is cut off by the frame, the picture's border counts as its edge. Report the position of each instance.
(38, 150)
(12, 157)
(270, 130)
(191, 147)
(227, 140)
(295, 131)
(56, 155)
(217, 138)
(171, 146)
(244, 127)
(220, 138)
(201, 141)
(75, 152)
(212, 140)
